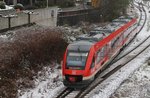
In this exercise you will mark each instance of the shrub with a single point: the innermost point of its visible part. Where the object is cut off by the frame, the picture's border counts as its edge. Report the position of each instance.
(30, 49)
(2, 5)
(29, 7)
(117, 8)
(40, 4)
(19, 6)
(67, 3)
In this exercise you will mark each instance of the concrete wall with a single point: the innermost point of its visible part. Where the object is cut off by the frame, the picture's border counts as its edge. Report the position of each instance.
(41, 17)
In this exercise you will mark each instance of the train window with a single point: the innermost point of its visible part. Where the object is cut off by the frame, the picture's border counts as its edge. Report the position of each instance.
(77, 59)
(99, 55)
(93, 62)
(114, 43)
(107, 49)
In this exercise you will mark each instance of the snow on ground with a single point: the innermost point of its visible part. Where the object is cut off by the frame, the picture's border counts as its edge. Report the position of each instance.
(3, 36)
(47, 84)
(7, 8)
(136, 86)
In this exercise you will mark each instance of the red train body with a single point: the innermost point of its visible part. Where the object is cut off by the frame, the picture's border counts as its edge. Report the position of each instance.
(89, 54)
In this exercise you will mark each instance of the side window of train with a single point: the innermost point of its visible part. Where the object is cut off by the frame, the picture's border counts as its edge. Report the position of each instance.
(102, 52)
(126, 33)
(108, 49)
(93, 62)
(105, 50)
(117, 42)
(114, 43)
(99, 55)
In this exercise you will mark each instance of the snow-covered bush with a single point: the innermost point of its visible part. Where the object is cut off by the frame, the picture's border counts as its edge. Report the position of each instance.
(25, 53)
(19, 6)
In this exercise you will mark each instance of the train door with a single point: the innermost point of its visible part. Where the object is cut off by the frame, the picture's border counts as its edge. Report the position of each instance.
(120, 40)
(93, 63)
(113, 45)
(100, 56)
(109, 49)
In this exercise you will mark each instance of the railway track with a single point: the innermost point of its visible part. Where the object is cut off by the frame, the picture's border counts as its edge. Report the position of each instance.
(72, 93)
(64, 92)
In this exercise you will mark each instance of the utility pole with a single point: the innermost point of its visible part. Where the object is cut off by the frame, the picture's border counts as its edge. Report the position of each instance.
(47, 3)
(31, 3)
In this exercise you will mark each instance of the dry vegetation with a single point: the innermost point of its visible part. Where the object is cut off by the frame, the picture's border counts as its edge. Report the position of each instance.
(22, 55)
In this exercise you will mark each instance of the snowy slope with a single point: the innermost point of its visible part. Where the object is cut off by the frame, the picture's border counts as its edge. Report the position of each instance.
(47, 84)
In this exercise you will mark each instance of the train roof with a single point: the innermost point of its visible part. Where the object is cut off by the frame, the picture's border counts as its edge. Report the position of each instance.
(123, 19)
(80, 45)
(101, 30)
(116, 24)
(91, 37)
(85, 41)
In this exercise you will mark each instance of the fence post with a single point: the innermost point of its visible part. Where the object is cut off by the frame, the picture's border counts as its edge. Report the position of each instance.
(29, 18)
(29, 13)
(9, 22)
(9, 19)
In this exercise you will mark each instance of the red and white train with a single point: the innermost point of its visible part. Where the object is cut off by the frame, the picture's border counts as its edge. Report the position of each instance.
(89, 54)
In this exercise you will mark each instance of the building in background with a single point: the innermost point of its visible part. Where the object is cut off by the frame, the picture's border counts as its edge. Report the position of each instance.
(34, 2)
(24, 2)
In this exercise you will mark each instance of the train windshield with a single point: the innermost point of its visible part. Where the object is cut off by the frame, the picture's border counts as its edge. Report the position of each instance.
(76, 59)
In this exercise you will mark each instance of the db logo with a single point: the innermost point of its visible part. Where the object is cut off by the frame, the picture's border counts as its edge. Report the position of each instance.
(73, 72)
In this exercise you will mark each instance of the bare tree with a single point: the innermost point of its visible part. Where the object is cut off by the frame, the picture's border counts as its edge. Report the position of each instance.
(31, 2)
(111, 9)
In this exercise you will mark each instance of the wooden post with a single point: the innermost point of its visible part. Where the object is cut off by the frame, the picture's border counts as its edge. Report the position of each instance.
(31, 3)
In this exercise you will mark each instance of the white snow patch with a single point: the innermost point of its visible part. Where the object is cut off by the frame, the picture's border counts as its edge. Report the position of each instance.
(3, 36)
(7, 7)
(47, 85)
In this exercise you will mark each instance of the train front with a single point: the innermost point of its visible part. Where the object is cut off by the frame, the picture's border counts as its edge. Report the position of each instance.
(76, 63)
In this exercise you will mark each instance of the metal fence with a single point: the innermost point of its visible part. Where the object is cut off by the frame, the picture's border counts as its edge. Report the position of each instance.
(11, 18)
